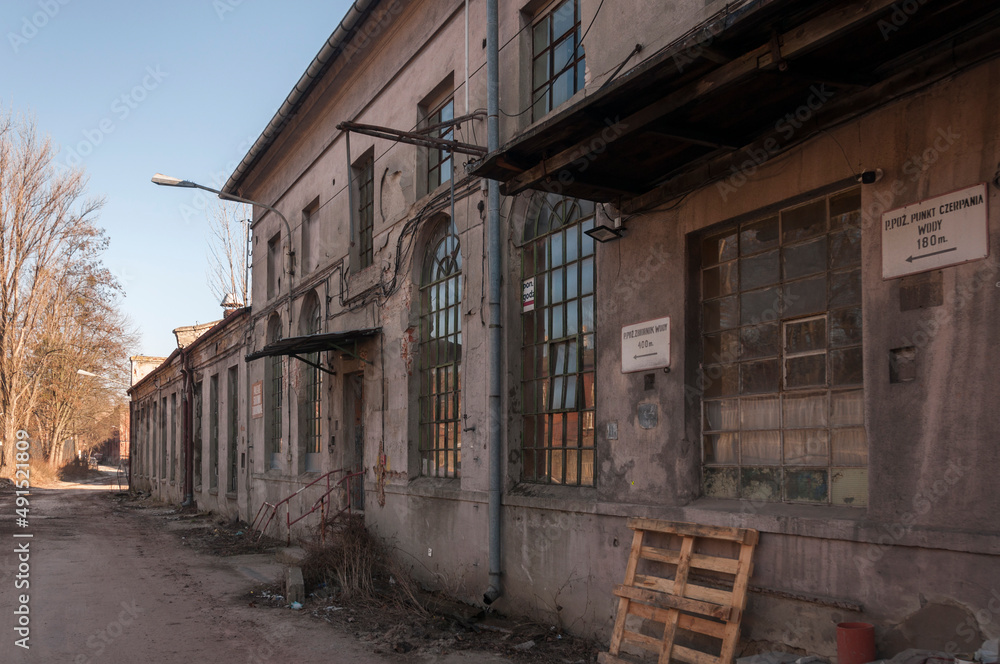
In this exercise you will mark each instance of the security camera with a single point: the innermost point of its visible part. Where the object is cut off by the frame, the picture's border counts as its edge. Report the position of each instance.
(870, 177)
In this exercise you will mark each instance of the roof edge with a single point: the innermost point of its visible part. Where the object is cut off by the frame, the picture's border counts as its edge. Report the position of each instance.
(333, 47)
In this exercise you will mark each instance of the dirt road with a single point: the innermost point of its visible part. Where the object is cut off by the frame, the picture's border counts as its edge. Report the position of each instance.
(107, 585)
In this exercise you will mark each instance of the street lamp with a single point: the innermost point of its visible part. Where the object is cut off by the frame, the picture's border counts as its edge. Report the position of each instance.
(168, 181)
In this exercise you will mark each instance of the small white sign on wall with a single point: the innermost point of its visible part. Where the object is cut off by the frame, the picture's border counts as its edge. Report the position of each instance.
(937, 232)
(528, 295)
(646, 345)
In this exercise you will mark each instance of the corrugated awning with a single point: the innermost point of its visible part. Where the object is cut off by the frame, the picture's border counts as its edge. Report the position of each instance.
(753, 81)
(314, 343)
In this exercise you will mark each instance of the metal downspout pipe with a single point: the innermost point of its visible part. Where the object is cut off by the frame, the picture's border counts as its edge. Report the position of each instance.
(495, 337)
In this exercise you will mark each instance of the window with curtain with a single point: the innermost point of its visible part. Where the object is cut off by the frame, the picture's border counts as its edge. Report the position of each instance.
(783, 394)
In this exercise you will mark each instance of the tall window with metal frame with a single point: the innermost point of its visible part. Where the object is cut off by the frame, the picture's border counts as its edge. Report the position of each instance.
(310, 418)
(163, 438)
(439, 161)
(173, 437)
(273, 380)
(198, 437)
(558, 343)
(364, 178)
(783, 392)
(441, 356)
(233, 403)
(213, 432)
(558, 63)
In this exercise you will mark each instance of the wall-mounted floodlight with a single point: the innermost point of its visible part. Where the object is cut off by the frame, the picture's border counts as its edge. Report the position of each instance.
(604, 233)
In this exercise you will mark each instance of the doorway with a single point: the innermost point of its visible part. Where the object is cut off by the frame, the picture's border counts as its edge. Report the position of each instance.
(354, 455)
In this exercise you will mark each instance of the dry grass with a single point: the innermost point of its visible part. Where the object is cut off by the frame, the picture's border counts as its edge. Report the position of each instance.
(359, 565)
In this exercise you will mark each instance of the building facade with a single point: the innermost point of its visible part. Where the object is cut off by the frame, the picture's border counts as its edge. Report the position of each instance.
(785, 326)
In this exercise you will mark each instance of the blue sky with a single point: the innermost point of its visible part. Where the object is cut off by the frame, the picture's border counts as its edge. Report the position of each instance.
(127, 89)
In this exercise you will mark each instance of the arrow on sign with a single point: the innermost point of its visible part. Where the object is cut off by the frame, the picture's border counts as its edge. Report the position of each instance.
(933, 253)
(636, 357)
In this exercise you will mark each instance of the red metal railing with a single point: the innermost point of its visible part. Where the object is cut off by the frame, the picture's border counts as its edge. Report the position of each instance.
(260, 526)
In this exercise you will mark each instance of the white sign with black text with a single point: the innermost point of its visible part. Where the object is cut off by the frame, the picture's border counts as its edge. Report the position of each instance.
(646, 345)
(935, 233)
(528, 295)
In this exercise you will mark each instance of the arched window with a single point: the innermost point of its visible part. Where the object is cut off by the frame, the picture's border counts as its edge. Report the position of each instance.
(312, 383)
(558, 343)
(441, 356)
(273, 379)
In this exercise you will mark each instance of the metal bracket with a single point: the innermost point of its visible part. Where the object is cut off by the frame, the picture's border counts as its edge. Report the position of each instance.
(312, 364)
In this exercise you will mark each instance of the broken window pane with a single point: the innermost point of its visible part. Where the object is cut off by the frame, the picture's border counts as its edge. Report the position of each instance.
(759, 236)
(849, 447)
(805, 371)
(845, 289)
(805, 410)
(850, 487)
(804, 259)
(761, 413)
(720, 314)
(759, 341)
(804, 297)
(802, 336)
(760, 376)
(721, 448)
(847, 408)
(721, 280)
(806, 486)
(760, 270)
(760, 447)
(803, 222)
(719, 248)
(760, 484)
(722, 482)
(845, 327)
(807, 447)
(759, 306)
(722, 415)
(846, 366)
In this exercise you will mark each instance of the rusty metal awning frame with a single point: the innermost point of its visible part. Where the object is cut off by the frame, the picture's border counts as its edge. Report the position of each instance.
(345, 342)
(420, 137)
(691, 113)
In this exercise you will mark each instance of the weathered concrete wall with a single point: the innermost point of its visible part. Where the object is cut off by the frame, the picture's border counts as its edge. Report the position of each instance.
(919, 561)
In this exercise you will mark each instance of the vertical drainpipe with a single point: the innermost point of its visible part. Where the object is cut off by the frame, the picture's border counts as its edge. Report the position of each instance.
(495, 338)
(186, 430)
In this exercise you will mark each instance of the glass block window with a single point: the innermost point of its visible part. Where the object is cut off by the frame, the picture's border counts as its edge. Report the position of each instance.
(558, 344)
(441, 356)
(783, 394)
(558, 63)
(439, 161)
(364, 177)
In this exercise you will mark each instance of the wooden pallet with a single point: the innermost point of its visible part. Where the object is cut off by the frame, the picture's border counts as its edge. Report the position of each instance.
(693, 594)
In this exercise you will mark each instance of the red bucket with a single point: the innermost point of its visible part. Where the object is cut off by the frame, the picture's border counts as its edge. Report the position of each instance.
(855, 643)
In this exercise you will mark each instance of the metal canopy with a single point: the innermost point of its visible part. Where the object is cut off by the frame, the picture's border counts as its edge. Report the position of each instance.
(749, 84)
(316, 343)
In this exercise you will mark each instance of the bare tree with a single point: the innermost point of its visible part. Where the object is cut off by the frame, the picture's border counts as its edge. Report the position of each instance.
(228, 253)
(58, 304)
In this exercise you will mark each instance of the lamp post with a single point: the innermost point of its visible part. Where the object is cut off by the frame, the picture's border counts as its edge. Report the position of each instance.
(168, 181)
